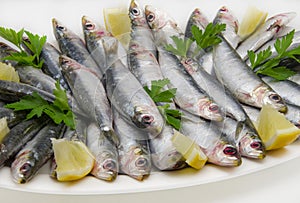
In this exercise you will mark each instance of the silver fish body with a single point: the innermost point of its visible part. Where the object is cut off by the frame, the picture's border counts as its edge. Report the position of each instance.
(197, 18)
(106, 155)
(34, 154)
(89, 92)
(242, 82)
(134, 151)
(128, 96)
(12, 117)
(264, 33)
(17, 137)
(5, 51)
(215, 145)
(189, 96)
(73, 46)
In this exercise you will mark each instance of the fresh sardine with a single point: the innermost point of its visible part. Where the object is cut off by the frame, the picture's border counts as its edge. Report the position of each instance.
(128, 96)
(34, 154)
(106, 155)
(89, 92)
(242, 82)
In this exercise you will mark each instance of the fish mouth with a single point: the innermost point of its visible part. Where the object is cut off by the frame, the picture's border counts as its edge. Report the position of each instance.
(252, 148)
(108, 170)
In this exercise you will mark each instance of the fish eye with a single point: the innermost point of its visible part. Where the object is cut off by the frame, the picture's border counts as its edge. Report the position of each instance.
(275, 97)
(25, 168)
(189, 61)
(223, 9)
(141, 162)
(256, 145)
(135, 11)
(147, 119)
(60, 27)
(150, 17)
(213, 108)
(230, 151)
(110, 165)
(89, 26)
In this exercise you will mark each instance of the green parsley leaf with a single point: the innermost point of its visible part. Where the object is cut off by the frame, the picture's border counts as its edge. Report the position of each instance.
(182, 46)
(35, 45)
(158, 94)
(262, 63)
(59, 111)
(209, 37)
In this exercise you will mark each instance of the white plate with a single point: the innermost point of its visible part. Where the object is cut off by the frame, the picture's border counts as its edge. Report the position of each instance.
(36, 16)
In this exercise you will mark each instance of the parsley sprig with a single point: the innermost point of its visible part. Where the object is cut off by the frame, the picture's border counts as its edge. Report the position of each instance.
(35, 44)
(159, 95)
(263, 63)
(204, 39)
(59, 111)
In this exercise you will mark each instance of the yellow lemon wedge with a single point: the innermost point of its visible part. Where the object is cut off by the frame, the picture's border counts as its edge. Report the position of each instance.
(73, 159)
(118, 23)
(190, 150)
(4, 129)
(7, 72)
(274, 129)
(252, 19)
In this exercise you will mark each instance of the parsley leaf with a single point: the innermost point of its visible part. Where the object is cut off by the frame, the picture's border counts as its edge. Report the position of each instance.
(158, 94)
(35, 45)
(209, 37)
(59, 111)
(182, 46)
(262, 63)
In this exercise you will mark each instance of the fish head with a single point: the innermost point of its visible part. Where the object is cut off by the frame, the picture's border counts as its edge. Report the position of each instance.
(224, 154)
(251, 146)
(91, 29)
(275, 100)
(277, 22)
(148, 119)
(209, 109)
(190, 65)
(199, 17)
(136, 163)
(106, 166)
(22, 169)
(224, 15)
(61, 31)
(137, 15)
(158, 19)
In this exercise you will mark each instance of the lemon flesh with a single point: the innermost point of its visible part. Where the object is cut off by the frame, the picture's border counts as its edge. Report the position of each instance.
(252, 19)
(4, 129)
(117, 22)
(7, 72)
(73, 158)
(189, 150)
(274, 129)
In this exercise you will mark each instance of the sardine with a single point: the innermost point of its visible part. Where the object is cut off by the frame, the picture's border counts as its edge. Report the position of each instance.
(106, 155)
(244, 136)
(189, 96)
(215, 145)
(51, 66)
(134, 152)
(12, 117)
(34, 154)
(128, 96)
(264, 33)
(73, 46)
(225, 16)
(242, 82)
(197, 18)
(17, 137)
(89, 92)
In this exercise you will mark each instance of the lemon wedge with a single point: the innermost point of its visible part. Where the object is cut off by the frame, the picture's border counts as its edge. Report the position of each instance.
(4, 129)
(7, 72)
(252, 19)
(274, 129)
(73, 159)
(189, 150)
(117, 22)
